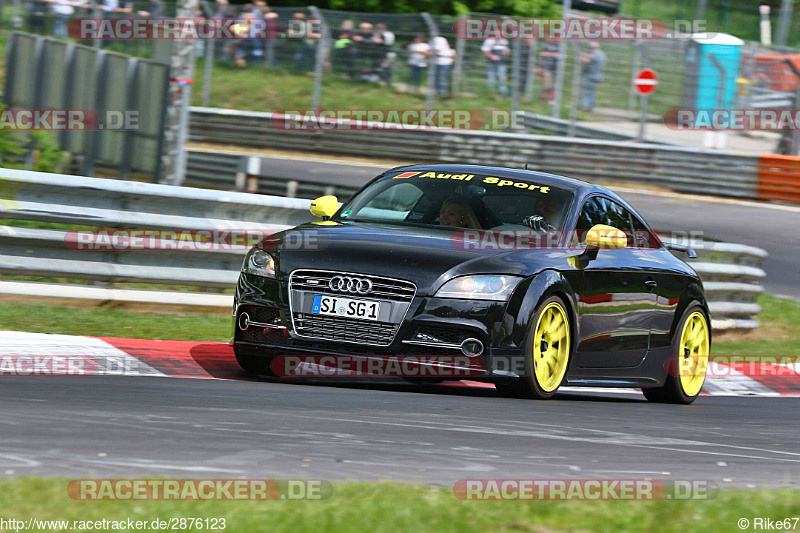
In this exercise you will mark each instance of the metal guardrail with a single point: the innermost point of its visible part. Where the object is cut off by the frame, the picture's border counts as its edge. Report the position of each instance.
(557, 126)
(678, 168)
(730, 272)
(731, 275)
(766, 99)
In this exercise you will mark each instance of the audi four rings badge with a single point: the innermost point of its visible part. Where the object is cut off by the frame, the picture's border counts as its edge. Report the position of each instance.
(350, 284)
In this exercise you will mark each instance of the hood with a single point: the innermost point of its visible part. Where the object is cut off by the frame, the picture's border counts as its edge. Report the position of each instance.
(424, 255)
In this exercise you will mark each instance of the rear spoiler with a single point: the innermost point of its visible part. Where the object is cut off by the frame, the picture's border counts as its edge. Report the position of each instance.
(688, 250)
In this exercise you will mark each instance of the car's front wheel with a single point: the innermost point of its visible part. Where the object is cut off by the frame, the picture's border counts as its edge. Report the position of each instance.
(547, 353)
(687, 368)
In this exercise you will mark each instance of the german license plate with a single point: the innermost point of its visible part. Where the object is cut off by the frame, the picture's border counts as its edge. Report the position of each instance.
(345, 307)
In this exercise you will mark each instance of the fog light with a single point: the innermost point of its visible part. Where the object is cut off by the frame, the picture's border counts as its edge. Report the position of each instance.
(244, 321)
(471, 347)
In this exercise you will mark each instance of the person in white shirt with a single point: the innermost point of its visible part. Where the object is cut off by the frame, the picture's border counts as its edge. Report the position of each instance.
(496, 51)
(63, 11)
(418, 53)
(444, 57)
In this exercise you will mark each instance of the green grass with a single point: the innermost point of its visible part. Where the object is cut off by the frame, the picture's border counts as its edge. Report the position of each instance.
(400, 507)
(256, 88)
(778, 334)
(115, 323)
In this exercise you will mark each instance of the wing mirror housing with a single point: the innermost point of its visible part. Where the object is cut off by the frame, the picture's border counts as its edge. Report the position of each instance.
(324, 207)
(608, 237)
(602, 236)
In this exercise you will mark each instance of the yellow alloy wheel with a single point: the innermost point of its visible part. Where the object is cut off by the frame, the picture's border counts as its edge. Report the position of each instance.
(551, 347)
(693, 354)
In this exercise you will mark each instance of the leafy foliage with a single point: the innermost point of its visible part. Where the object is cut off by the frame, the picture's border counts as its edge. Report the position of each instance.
(14, 148)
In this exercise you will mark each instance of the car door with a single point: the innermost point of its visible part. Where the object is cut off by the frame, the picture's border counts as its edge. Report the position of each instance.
(617, 297)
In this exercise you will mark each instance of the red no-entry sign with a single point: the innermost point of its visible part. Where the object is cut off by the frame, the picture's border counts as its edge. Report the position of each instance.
(645, 81)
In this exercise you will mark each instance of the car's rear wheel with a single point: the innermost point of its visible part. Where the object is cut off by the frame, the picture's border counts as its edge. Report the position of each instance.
(251, 362)
(547, 353)
(687, 368)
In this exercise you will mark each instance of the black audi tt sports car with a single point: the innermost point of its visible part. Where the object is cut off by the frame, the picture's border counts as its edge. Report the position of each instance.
(533, 280)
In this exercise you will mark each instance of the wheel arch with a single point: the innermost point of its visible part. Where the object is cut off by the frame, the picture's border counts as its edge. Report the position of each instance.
(539, 288)
(692, 294)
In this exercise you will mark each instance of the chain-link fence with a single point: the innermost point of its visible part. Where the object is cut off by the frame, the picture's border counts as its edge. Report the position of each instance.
(328, 59)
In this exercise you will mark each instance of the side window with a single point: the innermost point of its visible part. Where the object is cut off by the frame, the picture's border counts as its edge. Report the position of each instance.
(643, 238)
(618, 216)
(591, 214)
(599, 210)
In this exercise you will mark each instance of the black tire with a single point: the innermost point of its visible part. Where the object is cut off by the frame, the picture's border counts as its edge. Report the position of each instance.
(253, 363)
(528, 386)
(672, 391)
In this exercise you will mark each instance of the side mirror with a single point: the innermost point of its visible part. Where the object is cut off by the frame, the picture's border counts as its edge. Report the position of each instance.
(324, 207)
(602, 236)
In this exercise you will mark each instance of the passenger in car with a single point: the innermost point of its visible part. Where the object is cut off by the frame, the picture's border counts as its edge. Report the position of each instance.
(457, 212)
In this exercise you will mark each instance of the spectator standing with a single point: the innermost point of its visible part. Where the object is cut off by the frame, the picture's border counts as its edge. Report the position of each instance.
(153, 9)
(63, 11)
(37, 15)
(383, 40)
(496, 50)
(418, 53)
(591, 74)
(444, 57)
(309, 33)
(364, 48)
(549, 65)
(344, 49)
(272, 29)
(256, 22)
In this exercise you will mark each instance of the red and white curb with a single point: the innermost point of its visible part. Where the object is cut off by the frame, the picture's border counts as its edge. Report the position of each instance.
(27, 354)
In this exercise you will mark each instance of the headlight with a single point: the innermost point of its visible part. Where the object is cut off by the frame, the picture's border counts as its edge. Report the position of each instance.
(479, 287)
(259, 263)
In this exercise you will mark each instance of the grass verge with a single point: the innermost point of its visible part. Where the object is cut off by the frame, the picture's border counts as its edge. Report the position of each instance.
(778, 334)
(400, 507)
(115, 323)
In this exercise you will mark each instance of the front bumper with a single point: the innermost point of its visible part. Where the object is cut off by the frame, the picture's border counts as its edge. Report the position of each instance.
(435, 326)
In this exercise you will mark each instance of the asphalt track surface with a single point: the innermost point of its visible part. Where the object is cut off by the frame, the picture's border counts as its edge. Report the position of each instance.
(771, 226)
(104, 426)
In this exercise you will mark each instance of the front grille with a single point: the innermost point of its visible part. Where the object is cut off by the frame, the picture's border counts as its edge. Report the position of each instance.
(344, 329)
(257, 313)
(264, 315)
(440, 335)
(383, 288)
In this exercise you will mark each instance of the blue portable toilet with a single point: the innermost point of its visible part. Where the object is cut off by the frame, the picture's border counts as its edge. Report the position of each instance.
(702, 79)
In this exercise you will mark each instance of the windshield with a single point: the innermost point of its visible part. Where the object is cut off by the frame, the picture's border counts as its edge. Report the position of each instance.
(472, 201)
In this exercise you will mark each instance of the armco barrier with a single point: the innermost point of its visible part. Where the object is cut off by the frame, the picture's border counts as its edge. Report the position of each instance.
(679, 168)
(730, 272)
(779, 177)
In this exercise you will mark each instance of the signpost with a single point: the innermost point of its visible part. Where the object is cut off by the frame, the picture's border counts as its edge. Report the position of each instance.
(645, 82)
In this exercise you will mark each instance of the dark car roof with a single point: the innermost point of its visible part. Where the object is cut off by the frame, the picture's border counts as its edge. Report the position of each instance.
(580, 187)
